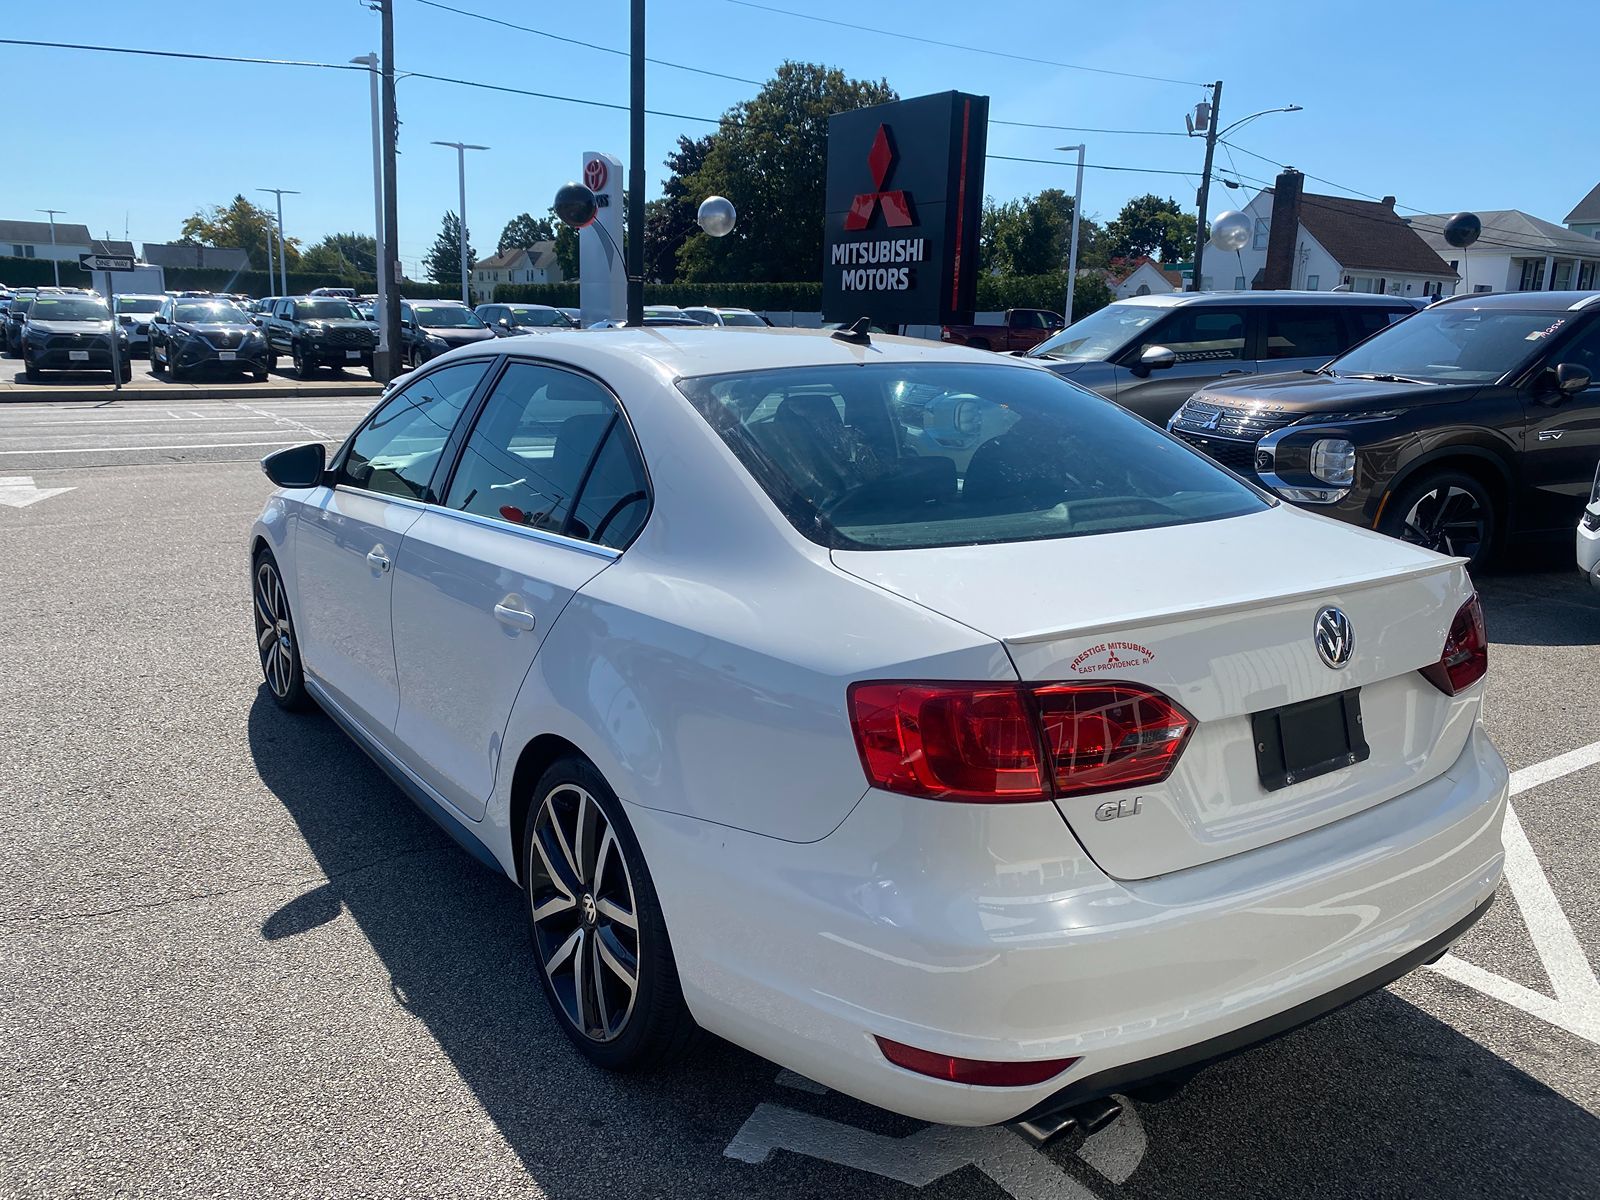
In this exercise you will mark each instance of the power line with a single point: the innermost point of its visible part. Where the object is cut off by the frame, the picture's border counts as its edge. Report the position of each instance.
(229, 58)
(927, 41)
(571, 41)
(500, 87)
(1056, 162)
(1087, 129)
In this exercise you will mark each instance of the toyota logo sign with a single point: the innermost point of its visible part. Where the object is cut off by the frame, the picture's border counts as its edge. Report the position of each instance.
(594, 174)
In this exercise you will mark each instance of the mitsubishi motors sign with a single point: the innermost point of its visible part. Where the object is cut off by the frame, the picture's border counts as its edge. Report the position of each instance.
(904, 202)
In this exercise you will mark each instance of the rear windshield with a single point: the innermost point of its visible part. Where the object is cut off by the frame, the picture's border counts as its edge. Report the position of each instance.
(896, 456)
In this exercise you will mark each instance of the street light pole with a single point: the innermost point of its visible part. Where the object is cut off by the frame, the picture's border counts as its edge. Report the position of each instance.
(1072, 254)
(635, 210)
(381, 266)
(1198, 281)
(461, 149)
(283, 249)
(54, 261)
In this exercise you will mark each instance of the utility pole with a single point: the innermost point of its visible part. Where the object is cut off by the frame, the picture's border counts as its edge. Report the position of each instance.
(54, 261)
(387, 367)
(283, 248)
(380, 264)
(635, 234)
(1072, 254)
(1204, 198)
(461, 149)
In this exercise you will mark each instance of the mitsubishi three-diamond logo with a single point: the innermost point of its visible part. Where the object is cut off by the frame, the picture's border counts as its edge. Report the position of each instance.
(896, 205)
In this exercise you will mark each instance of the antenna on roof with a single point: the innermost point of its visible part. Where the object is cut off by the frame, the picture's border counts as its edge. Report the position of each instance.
(858, 334)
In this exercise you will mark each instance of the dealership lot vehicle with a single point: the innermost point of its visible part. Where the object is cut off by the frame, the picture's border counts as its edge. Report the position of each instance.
(1470, 426)
(1150, 353)
(1201, 767)
(133, 314)
(316, 332)
(739, 318)
(72, 332)
(509, 320)
(190, 336)
(1018, 329)
(1589, 534)
(428, 328)
(16, 315)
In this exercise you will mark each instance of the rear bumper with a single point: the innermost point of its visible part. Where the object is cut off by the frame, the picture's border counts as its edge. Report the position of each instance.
(985, 932)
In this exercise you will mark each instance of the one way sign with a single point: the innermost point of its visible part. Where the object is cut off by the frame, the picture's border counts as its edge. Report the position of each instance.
(106, 262)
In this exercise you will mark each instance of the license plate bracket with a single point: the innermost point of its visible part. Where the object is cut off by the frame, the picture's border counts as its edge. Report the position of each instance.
(78, 355)
(1302, 741)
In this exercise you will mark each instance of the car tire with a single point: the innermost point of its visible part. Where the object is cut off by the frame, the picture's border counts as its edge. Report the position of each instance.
(30, 372)
(591, 923)
(127, 372)
(174, 371)
(303, 368)
(259, 374)
(272, 362)
(413, 358)
(277, 640)
(1447, 511)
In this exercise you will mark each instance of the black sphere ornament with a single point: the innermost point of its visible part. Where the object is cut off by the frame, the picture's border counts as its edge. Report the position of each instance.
(575, 205)
(1463, 229)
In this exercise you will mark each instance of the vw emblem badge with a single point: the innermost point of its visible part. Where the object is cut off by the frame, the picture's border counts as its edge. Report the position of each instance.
(1334, 636)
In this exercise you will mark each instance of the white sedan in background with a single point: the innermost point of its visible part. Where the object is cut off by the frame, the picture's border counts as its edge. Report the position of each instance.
(903, 713)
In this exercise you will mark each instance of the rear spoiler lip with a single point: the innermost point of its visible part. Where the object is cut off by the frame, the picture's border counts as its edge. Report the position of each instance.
(1136, 620)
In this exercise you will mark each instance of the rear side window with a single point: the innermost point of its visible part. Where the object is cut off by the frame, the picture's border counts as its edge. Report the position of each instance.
(1199, 333)
(398, 449)
(1301, 332)
(551, 451)
(898, 456)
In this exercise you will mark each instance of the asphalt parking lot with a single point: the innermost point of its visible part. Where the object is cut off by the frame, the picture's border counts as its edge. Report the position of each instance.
(236, 961)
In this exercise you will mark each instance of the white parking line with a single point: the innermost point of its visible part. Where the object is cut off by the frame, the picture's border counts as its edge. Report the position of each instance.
(130, 449)
(289, 421)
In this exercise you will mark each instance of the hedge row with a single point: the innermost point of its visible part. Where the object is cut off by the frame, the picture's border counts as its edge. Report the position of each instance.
(37, 272)
(995, 292)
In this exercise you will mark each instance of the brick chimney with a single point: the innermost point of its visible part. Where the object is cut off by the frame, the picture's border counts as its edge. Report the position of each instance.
(1388, 201)
(1284, 233)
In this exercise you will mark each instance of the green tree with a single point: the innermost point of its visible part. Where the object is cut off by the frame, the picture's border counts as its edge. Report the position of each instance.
(443, 260)
(241, 225)
(670, 220)
(342, 254)
(1032, 236)
(769, 157)
(1150, 225)
(566, 248)
(523, 231)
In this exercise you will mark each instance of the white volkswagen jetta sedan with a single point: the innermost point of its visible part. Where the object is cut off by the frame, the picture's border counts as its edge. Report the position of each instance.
(905, 714)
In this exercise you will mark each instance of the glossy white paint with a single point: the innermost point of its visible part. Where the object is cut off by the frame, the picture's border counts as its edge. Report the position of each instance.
(1588, 543)
(704, 673)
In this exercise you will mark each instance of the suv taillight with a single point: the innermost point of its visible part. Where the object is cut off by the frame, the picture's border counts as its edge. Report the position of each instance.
(1465, 658)
(999, 742)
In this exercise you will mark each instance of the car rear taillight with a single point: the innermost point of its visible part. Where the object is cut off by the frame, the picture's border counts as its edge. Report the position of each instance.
(975, 1071)
(1465, 658)
(996, 742)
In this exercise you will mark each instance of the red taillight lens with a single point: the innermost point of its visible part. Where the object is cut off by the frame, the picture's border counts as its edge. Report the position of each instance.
(955, 741)
(1110, 736)
(1010, 742)
(976, 1071)
(1465, 658)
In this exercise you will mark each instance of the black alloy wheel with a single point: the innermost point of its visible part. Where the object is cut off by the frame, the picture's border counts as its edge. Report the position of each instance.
(604, 959)
(275, 636)
(1449, 512)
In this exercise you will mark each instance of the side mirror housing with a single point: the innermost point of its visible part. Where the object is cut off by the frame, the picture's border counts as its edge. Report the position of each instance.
(1571, 378)
(1154, 358)
(298, 466)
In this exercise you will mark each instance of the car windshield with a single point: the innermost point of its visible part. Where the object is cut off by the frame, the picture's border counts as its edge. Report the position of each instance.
(325, 310)
(539, 318)
(138, 304)
(21, 304)
(733, 318)
(211, 314)
(69, 308)
(1100, 335)
(1452, 344)
(897, 456)
(448, 317)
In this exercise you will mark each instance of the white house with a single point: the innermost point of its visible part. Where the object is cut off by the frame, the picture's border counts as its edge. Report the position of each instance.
(1585, 219)
(1517, 253)
(536, 264)
(31, 239)
(1359, 245)
(1141, 277)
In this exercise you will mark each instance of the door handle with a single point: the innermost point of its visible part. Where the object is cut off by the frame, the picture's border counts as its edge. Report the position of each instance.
(514, 618)
(377, 559)
(1235, 372)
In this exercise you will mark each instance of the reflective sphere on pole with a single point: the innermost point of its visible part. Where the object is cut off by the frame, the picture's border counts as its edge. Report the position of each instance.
(1231, 230)
(717, 216)
(575, 205)
(1463, 229)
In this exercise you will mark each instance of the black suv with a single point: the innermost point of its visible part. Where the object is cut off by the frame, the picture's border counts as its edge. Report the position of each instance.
(430, 327)
(318, 331)
(1472, 423)
(187, 335)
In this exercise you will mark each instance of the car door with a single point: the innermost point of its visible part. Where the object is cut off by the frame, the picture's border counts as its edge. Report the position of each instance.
(1561, 443)
(1295, 337)
(1209, 341)
(548, 490)
(348, 535)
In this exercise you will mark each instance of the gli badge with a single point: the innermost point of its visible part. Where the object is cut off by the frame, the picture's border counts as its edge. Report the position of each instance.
(1334, 636)
(1112, 656)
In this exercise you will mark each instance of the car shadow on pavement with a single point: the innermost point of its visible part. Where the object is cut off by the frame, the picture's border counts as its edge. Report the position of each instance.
(1540, 606)
(1380, 1099)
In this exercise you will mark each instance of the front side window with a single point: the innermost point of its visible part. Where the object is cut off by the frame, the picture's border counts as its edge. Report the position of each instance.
(1302, 332)
(398, 449)
(552, 452)
(1198, 333)
(904, 455)
(1453, 344)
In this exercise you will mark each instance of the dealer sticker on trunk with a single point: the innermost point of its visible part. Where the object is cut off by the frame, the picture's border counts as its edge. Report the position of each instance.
(1112, 656)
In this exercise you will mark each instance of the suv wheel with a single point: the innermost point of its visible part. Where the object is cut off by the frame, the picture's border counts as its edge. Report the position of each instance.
(1447, 511)
(29, 371)
(302, 365)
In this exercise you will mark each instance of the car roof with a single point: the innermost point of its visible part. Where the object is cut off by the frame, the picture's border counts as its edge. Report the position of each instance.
(1525, 301)
(1178, 299)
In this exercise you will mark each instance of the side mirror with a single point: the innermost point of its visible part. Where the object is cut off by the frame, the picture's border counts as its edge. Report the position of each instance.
(298, 466)
(1154, 358)
(503, 323)
(1571, 378)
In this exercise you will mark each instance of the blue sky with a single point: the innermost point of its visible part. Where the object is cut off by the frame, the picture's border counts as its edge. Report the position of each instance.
(1437, 104)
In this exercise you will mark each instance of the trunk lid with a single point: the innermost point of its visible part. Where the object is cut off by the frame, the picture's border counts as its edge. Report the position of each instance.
(1217, 616)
